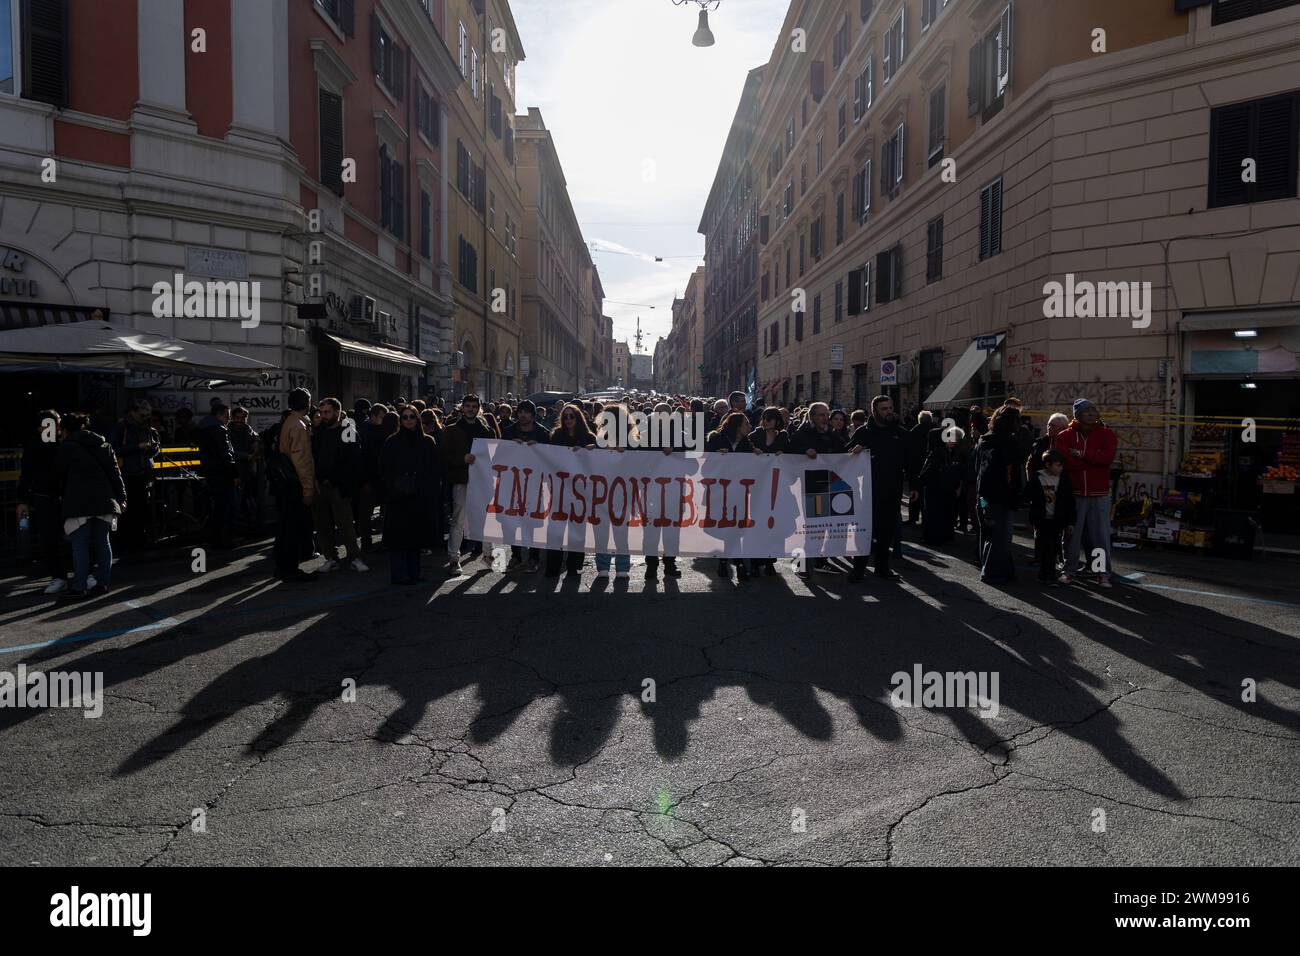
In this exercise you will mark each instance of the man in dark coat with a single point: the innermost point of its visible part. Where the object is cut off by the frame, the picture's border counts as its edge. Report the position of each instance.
(917, 446)
(883, 438)
(218, 467)
(136, 443)
(93, 496)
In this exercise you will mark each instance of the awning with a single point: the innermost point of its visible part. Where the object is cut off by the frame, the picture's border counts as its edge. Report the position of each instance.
(23, 315)
(373, 358)
(96, 346)
(971, 361)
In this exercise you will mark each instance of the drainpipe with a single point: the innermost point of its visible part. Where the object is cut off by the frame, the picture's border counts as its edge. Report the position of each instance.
(483, 87)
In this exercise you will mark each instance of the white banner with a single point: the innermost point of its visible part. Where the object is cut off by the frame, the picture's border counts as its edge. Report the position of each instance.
(738, 505)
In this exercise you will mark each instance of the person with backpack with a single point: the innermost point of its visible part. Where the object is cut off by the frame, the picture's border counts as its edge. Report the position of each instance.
(294, 480)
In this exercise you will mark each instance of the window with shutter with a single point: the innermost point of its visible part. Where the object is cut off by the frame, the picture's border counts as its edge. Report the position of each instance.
(855, 291)
(934, 250)
(817, 80)
(44, 56)
(991, 219)
(1004, 51)
(426, 225)
(938, 108)
(1262, 130)
(858, 191)
(975, 81)
(385, 188)
(900, 156)
(817, 314)
(839, 218)
(884, 285)
(865, 8)
(331, 141)
(839, 301)
(1227, 11)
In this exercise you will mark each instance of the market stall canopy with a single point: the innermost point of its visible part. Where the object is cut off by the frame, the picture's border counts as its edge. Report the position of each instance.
(97, 346)
(971, 361)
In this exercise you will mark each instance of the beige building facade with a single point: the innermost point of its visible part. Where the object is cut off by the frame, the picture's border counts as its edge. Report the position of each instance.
(929, 170)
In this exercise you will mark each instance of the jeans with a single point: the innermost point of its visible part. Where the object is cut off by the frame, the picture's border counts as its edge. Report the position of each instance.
(93, 535)
(332, 513)
(622, 562)
(404, 566)
(1091, 530)
(996, 563)
(457, 533)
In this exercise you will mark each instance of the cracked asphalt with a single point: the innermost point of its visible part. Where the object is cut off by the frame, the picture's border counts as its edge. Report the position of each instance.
(504, 719)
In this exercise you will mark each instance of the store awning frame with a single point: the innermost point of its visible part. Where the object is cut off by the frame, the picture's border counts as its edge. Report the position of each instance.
(971, 361)
(368, 357)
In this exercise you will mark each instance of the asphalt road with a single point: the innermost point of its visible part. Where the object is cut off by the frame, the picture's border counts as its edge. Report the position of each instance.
(505, 719)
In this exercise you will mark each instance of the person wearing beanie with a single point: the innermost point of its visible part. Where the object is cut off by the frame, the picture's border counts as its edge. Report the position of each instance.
(1088, 447)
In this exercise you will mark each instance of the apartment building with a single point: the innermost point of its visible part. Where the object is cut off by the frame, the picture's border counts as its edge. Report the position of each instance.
(926, 170)
(679, 370)
(596, 337)
(485, 207)
(730, 229)
(292, 145)
(558, 293)
(622, 362)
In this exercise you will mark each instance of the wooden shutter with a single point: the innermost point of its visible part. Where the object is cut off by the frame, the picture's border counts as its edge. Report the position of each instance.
(45, 51)
(896, 271)
(817, 80)
(331, 141)
(376, 46)
(866, 286)
(855, 291)
(1275, 147)
(399, 199)
(975, 80)
(858, 187)
(1004, 51)
(883, 285)
(995, 226)
(986, 219)
(1229, 145)
(399, 74)
(425, 224)
(385, 187)
(348, 17)
(900, 157)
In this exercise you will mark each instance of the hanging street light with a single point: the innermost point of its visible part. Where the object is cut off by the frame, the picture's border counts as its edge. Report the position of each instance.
(703, 35)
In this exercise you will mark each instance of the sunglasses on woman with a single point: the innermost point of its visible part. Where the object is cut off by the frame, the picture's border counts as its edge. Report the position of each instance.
(410, 418)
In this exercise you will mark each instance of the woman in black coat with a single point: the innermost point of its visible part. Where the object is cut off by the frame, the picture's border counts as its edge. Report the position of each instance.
(93, 496)
(409, 477)
(941, 479)
(732, 434)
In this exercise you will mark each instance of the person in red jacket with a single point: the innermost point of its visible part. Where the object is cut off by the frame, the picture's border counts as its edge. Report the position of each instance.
(1088, 447)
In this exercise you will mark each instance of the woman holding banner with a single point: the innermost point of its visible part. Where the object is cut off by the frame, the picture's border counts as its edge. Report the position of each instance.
(571, 431)
(731, 435)
(770, 438)
(616, 433)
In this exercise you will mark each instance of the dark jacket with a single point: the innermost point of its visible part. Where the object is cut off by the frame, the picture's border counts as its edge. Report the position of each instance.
(37, 476)
(216, 455)
(807, 436)
(718, 442)
(1065, 511)
(916, 443)
(1000, 471)
(1035, 459)
(338, 462)
(408, 477)
(126, 438)
(758, 439)
(457, 441)
(513, 432)
(885, 442)
(87, 469)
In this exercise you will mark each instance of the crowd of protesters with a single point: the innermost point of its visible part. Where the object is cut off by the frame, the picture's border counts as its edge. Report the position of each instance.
(403, 466)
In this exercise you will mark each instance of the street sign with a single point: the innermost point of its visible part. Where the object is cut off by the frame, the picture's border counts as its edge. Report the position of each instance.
(888, 372)
(986, 343)
(837, 358)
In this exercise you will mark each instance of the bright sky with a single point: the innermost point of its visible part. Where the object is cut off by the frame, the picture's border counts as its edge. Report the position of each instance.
(639, 117)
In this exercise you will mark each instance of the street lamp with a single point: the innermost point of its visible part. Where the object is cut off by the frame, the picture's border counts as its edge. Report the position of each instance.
(703, 35)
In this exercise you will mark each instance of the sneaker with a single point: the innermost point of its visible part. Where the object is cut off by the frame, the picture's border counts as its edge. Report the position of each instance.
(1065, 578)
(454, 569)
(90, 581)
(671, 570)
(329, 565)
(621, 575)
(55, 586)
(359, 565)
(1103, 581)
(486, 557)
(515, 564)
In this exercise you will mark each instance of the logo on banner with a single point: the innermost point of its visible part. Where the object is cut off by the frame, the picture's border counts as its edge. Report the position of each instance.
(826, 494)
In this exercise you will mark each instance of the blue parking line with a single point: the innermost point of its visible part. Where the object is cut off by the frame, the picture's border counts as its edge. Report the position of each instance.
(159, 625)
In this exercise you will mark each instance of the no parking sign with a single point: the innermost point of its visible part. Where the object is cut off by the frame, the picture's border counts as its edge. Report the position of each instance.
(888, 372)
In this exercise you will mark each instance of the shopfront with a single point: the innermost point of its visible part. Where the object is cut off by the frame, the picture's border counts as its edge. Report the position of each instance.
(1240, 448)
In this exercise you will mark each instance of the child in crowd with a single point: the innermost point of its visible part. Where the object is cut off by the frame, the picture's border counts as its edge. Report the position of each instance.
(1051, 512)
